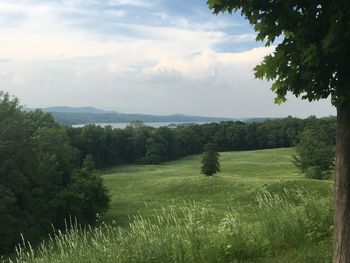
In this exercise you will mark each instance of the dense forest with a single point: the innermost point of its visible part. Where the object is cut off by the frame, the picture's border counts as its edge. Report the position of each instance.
(46, 170)
(43, 181)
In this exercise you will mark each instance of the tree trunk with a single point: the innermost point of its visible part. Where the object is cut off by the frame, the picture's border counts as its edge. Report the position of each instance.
(342, 187)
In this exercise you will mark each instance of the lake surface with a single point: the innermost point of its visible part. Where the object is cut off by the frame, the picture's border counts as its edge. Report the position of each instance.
(152, 124)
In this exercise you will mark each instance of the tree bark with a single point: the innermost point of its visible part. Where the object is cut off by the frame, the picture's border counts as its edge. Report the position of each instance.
(342, 187)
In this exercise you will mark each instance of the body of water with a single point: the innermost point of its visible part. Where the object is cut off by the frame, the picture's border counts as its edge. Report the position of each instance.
(152, 124)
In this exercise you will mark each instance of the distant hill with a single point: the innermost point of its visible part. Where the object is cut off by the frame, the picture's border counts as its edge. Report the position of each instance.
(84, 115)
(66, 109)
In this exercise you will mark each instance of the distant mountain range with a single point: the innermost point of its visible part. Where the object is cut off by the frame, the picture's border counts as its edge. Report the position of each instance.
(67, 109)
(84, 115)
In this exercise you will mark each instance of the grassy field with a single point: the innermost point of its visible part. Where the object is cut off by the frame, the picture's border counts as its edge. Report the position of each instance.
(141, 189)
(258, 209)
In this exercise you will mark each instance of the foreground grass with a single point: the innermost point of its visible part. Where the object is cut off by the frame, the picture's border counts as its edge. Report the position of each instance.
(193, 234)
(258, 209)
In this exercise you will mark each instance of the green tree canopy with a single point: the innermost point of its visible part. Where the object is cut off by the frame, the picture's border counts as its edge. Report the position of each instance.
(315, 154)
(312, 58)
(41, 181)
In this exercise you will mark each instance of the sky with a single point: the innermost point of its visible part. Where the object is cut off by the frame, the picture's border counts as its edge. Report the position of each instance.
(136, 56)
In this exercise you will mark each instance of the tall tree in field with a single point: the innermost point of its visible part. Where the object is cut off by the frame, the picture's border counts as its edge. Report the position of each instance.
(210, 160)
(311, 61)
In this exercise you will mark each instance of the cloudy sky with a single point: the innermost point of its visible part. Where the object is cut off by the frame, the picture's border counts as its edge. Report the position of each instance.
(155, 56)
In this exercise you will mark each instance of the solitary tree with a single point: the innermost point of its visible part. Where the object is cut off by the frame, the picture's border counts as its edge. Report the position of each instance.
(210, 160)
(311, 60)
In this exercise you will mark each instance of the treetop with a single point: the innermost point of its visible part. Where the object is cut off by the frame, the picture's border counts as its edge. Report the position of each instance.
(312, 45)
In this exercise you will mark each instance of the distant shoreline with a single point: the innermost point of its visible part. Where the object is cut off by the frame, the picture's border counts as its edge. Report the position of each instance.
(122, 125)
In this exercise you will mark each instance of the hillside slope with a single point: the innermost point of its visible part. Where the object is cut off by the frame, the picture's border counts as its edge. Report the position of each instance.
(143, 188)
(258, 209)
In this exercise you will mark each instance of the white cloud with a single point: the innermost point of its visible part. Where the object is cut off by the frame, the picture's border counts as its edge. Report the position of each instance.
(210, 64)
(46, 35)
(210, 83)
(116, 13)
(130, 2)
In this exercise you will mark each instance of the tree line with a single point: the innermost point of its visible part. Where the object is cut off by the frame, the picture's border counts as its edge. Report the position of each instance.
(142, 144)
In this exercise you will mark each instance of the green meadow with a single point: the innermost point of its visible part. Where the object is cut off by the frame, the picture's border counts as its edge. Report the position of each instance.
(141, 189)
(258, 209)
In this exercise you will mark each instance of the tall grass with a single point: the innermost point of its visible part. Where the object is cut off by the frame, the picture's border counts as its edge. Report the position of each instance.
(193, 234)
(287, 223)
